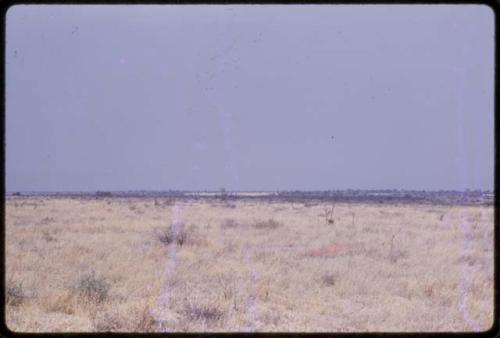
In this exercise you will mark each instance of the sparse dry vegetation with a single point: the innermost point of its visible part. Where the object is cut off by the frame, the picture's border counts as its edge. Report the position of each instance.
(328, 213)
(134, 265)
(230, 223)
(92, 288)
(172, 234)
(268, 224)
(204, 313)
(14, 294)
(328, 279)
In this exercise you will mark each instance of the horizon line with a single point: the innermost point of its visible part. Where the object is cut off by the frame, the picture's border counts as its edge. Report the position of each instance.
(244, 190)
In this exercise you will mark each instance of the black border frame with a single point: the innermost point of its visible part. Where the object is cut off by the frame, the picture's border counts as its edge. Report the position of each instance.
(494, 331)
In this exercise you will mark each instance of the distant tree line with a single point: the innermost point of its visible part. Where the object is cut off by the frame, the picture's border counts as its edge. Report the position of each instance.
(103, 194)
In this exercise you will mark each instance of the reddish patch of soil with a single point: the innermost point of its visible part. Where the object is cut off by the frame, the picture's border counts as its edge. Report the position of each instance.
(329, 250)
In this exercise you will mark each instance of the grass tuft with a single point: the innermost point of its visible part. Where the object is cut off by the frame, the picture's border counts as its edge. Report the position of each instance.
(108, 323)
(328, 280)
(146, 323)
(47, 220)
(14, 294)
(229, 223)
(206, 313)
(93, 288)
(269, 224)
(167, 236)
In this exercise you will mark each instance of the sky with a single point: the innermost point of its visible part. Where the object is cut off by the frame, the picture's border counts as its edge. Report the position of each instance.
(248, 97)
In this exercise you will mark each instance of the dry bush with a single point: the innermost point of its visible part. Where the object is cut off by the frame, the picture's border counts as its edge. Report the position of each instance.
(146, 322)
(271, 318)
(230, 223)
(269, 224)
(206, 313)
(47, 236)
(394, 253)
(136, 209)
(167, 236)
(65, 303)
(14, 294)
(469, 259)
(428, 290)
(353, 214)
(261, 256)
(106, 322)
(328, 213)
(328, 279)
(92, 288)
(229, 248)
(47, 220)
(167, 202)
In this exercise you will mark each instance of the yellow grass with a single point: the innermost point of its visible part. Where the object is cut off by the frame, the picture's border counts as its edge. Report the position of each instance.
(246, 268)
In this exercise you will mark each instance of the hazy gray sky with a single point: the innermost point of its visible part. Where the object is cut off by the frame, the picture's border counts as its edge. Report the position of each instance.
(247, 97)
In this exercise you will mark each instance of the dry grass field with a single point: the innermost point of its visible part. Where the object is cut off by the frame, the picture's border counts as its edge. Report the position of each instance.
(131, 264)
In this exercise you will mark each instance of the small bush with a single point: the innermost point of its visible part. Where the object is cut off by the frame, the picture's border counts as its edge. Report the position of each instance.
(269, 224)
(206, 313)
(47, 220)
(229, 223)
(136, 209)
(169, 235)
(428, 290)
(47, 236)
(328, 280)
(108, 323)
(468, 259)
(396, 254)
(146, 322)
(329, 214)
(92, 287)
(165, 236)
(64, 303)
(169, 202)
(14, 294)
